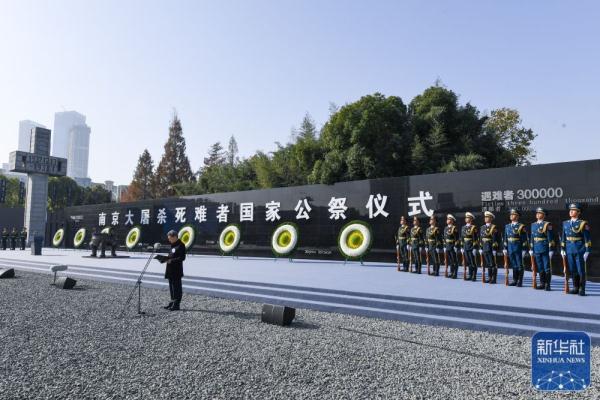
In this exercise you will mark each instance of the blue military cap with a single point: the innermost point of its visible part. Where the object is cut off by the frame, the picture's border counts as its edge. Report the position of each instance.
(514, 211)
(575, 206)
(541, 210)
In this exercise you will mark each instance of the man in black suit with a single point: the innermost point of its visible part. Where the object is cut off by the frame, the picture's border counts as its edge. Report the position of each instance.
(174, 270)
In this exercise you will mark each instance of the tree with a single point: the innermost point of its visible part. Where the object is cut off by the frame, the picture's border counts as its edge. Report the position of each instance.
(11, 197)
(505, 126)
(174, 167)
(232, 151)
(363, 140)
(63, 192)
(142, 185)
(96, 195)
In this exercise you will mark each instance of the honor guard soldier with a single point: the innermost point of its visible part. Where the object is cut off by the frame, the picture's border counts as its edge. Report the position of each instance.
(402, 241)
(434, 245)
(416, 245)
(489, 245)
(4, 238)
(515, 245)
(468, 239)
(450, 246)
(13, 238)
(541, 247)
(576, 244)
(23, 238)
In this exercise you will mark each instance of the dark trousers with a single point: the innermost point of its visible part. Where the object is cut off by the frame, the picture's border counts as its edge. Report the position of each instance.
(175, 289)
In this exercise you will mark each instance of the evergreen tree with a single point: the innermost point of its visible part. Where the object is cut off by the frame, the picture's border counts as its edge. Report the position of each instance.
(174, 167)
(232, 151)
(142, 185)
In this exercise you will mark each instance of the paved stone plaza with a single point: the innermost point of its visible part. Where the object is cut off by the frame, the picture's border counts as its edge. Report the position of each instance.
(59, 344)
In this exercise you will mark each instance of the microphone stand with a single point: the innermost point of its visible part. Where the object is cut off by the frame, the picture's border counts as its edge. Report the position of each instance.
(138, 286)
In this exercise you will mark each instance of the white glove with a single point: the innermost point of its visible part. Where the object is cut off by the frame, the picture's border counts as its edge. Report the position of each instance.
(523, 253)
(504, 252)
(445, 250)
(550, 254)
(586, 255)
(456, 249)
(407, 248)
(462, 251)
(474, 253)
(438, 251)
(480, 252)
(397, 247)
(494, 253)
(530, 253)
(562, 253)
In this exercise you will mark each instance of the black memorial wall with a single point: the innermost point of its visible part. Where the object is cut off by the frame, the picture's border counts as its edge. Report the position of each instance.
(378, 202)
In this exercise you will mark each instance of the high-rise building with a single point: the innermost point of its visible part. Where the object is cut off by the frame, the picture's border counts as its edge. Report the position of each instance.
(71, 140)
(25, 127)
(78, 151)
(63, 122)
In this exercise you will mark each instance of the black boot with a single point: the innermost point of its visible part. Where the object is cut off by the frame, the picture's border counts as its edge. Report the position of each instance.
(542, 284)
(436, 270)
(582, 286)
(168, 307)
(494, 275)
(521, 273)
(548, 280)
(474, 275)
(515, 278)
(575, 289)
(490, 275)
(454, 271)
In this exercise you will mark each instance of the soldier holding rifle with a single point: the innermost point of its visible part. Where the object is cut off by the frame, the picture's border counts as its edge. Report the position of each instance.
(402, 243)
(576, 244)
(434, 245)
(451, 241)
(515, 245)
(541, 249)
(416, 245)
(468, 238)
(490, 243)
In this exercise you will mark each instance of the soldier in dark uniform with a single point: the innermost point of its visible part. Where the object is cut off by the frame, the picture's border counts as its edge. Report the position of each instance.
(416, 245)
(489, 244)
(515, 245)
(174, 270)
(4, 238)
(542, 247)
(451, 242)
(13, 238)
(576, 242)
(23, 238)
(434, 245)
(402, 243)
(468, 238)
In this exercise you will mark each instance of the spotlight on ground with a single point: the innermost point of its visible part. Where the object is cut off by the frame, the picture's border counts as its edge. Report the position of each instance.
(7, 273)
(57, 268)
(64, 282)
(278, 315)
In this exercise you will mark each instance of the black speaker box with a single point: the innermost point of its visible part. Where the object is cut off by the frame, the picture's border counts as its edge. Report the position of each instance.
(64, 282)
(7, 273)
(278, 315)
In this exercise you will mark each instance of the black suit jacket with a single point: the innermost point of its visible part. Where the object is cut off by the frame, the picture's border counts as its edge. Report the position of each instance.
(175, 262)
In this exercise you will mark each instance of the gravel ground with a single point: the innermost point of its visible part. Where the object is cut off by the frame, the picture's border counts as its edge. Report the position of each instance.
(57, 344)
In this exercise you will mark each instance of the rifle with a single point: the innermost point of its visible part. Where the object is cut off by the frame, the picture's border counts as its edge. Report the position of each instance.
(427, 259)
(446, 262)
(506, 269)
(464, 265)
(409, 258)
(566, 273)
(482, 268)
(534, 270)
(397, 252)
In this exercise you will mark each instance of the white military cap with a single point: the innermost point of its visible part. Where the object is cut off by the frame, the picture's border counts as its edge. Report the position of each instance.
(489, 214)
(450, 216)
(469, 215)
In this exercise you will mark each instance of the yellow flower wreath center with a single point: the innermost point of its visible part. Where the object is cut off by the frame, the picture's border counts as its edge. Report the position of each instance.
(284, 239)
(355, 239)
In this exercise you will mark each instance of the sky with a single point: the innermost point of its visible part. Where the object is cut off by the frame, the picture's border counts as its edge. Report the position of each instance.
(252, 69)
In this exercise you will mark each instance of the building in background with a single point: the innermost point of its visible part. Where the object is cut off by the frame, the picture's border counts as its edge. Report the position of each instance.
(71, 140)
(116, 190)
(25, 128)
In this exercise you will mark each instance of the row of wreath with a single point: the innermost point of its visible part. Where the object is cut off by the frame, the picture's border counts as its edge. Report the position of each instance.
(354, 239)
